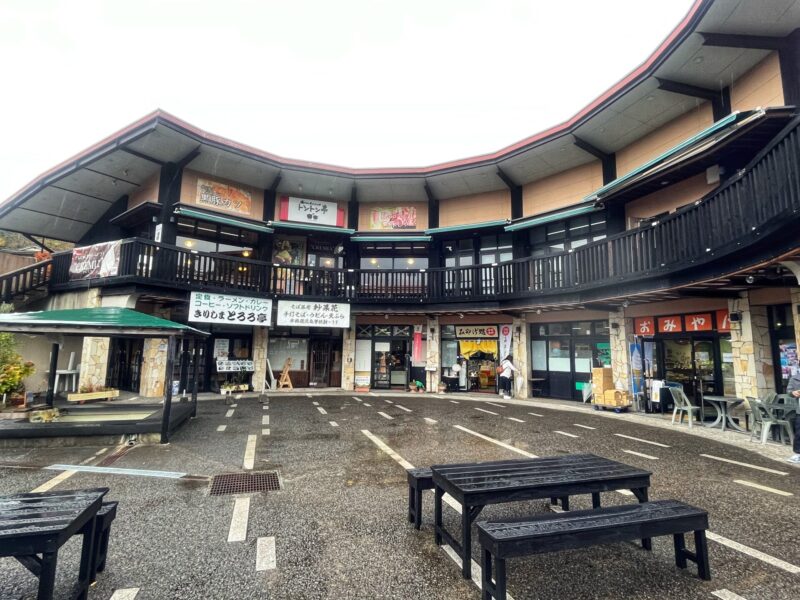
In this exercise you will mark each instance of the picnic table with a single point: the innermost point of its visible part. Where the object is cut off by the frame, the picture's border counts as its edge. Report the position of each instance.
(723, 405)
(40, 523)
(475, 485)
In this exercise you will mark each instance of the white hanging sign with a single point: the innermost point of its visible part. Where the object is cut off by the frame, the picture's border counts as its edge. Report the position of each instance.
(317, 212)
(229, 310)
(292, 313)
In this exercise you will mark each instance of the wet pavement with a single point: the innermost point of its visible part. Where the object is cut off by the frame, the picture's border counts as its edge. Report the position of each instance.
(339, 523)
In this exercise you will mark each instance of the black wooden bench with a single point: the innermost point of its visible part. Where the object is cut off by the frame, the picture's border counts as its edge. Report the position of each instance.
(102, 532)
(418, 480)
(580, 529)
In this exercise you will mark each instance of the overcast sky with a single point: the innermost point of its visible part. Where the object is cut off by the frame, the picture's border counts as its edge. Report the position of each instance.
(360, 83)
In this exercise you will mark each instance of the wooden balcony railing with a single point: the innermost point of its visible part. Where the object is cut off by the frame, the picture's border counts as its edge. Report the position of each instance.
(761, 197)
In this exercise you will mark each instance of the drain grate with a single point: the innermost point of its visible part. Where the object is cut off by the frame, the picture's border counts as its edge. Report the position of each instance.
(243, 483)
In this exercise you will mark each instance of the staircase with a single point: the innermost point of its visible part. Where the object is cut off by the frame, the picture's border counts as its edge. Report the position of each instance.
(26, 284)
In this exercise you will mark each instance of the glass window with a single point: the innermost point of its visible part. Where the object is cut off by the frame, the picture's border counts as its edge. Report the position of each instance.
(582, 328)
(284, 347)
(410, 263)
(539, 355)
(558, 355)
(559, 329)
(376, 262)
(601, 328)
(402, 330)
(364, 331)
(566, 235)
(449, 353)
(382, 331)
(448, 331)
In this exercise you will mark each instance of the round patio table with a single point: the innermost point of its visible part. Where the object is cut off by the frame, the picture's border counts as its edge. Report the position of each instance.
(723, 406)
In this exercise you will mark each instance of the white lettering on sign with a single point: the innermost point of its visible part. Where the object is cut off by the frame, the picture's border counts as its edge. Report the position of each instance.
(231, 310)
(231, 366)
(318, 212)
(477, 331)
(313, 314)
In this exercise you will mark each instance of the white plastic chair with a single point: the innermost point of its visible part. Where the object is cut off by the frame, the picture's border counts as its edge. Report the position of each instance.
(70, 375)
(682, 405)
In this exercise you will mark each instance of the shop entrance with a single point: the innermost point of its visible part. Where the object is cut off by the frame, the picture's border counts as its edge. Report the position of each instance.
(482, 361)
(320, 363)
(390, 363)
(124, 364)
(700, 363)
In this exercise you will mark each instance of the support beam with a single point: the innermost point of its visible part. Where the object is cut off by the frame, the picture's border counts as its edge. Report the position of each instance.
(433, 207)
(516, 193)
(609, 161)
(143, 156)
(352, 208)
(720, 99)
(169, 192)
(37, 242)
(51, 376)
(733, 40)
(167, 391)
(715, 294)
(789, 57)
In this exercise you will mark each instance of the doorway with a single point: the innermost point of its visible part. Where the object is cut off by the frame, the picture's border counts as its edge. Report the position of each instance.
(320, 363)
(693, 362)
(125, 364)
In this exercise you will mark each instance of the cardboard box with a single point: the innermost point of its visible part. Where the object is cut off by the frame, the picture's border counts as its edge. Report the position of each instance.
(615, 398)
(602, 374)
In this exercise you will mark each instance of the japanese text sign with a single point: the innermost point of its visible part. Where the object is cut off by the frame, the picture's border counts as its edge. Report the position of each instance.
(670, 324)
(318, 212)
(232, 366)
(231, 310)
(219, 196)
(476, 331)
(313, 314)
(644, 326)
(723, 320)
(700, 322)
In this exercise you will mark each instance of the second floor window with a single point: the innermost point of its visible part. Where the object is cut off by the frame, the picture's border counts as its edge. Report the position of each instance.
(567, 235)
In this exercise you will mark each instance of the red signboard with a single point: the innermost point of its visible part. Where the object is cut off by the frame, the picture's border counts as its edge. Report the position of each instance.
(644, 326)
(670, 324)
(699, 322)
(723, 321)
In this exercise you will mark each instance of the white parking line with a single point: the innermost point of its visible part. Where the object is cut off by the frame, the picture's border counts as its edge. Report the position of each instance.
(454, 402)
(572, 435)
(494, 441)
(431, 421)
(241, 511)
(234, 405)
(476, 568)
(515, 419)
(485, 411)
(771, 560)
(388, 401)
(115, 471)
(222, 427)
(229, 414)
(333, 423)
(403, 408)
(265, 432)
(494, 404)
(265, 407)
(51, 483)
(640, 454)
(356, 399)
(250, 452)
(101, 451)
(124, 594)
(265, 553)
(322, 410)
(762, 487)
(315, 403)
(373, 394)
(536, 414)
(365, 404)
(265, 420)
(385, 416)
(727, 595)
(741, 464)
(309, 395)
(628, 437)
(584, 426)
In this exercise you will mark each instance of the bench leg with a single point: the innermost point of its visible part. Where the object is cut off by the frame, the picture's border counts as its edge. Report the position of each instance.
(554, 501)
(437, 515)
(417, 507)
(680, 546)
(410, 503)
(466, 543)
(88, 569)
(103, 551)
(565, 502)
(47, 576)
(701, 550)
(487, 589)
(500, 578)
(596, 500)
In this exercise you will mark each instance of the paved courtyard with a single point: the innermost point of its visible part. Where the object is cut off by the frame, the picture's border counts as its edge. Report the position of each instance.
(338, 529)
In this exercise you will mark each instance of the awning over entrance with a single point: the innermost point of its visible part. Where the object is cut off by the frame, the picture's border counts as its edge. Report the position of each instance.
(95, 321)
(554, 216)
(221, 219)
(467, 227)
(309, 227)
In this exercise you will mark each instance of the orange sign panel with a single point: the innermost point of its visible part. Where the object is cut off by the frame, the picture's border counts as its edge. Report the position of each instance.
(699, 322)
(220, 196)
(670, 324)
(723, 320)
(644, 326)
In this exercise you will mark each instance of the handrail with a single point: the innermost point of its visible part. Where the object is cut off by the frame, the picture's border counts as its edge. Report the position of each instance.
(727, 219)
(24, 280)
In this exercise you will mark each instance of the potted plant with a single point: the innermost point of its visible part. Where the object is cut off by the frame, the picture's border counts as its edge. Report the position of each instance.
(13, 370)
(93, 392)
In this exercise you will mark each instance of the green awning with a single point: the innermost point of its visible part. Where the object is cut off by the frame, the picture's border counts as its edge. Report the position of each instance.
(674, 152)
(390, 238)
(549, 218)
(310, 227)
(221, 219)
(103, 322)
(481, 225)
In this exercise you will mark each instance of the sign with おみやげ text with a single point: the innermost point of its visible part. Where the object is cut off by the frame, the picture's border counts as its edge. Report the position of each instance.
(313, 314)
(229, 310)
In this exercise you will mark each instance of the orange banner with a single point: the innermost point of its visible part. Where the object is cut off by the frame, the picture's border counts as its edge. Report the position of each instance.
(220, 196)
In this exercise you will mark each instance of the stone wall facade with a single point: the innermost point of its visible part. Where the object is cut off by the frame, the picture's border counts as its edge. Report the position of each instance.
(154, 363)
(433, 354)
(622, 333)
(94, 362)
(519, 350)
(752, 354)
(349, 356)
(260, 345)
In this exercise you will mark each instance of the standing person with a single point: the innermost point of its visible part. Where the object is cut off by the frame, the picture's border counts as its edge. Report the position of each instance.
(793, 389)
(507, 375)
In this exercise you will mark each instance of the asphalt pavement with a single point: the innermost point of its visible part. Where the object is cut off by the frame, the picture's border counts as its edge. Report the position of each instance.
(338, 528)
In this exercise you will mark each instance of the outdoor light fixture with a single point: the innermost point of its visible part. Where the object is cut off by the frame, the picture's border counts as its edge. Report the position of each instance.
(188, 243)
(246, 253)
(373, 261)
(460, 315)
(538, 311)
(410, 261)
(625, 304)
(750, 279)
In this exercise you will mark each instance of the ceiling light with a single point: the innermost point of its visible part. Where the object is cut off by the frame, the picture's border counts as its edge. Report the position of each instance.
(410, 261)
(538, 311)
(665, 182)
(750, 279)
(188, 243)
(300, 187)
(373, 261)
(625, 304)
(246, 253)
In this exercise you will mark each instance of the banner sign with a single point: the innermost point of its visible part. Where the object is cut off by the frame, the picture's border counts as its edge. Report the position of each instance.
(670, 324)
(505, 341)
(701, 322)
(220, 196)
(676, 324)
(98, 260)
(395, 217)
(230, 310)
(644, 326)
(233, 366)
(313, 314)
(476, 331)
(723, 320)
(318, 212)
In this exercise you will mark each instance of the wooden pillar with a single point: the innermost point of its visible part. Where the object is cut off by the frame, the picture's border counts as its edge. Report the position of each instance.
(167, 391)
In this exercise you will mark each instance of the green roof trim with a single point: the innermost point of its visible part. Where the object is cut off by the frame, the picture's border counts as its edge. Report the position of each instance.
(728, 121)
(86, 321)
(390, 238)
(222, 220)
(310, 227)
(556, 216)
(481, 225)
